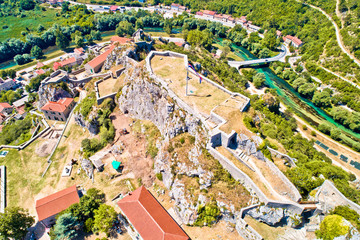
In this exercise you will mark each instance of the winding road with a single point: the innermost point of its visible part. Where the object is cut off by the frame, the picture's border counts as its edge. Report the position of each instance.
(337, 31)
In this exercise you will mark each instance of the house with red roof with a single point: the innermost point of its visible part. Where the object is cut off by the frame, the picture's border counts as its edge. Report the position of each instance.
(148, 219)
(290, 40)
(199, 13)
(218, 17)
(175, 6)
(5, 108)
(79, 51)
(114, 8)
(96, 63)
(72, 61)
(120, 40)
(39, 72)
(278, 33)
(58, 111)
(48, 207)
(39, 65)
(209, 14)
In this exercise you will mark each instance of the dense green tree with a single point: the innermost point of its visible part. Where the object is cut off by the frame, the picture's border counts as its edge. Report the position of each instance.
(22, 59)
(61, 40)
(37, 52)
(331, 227)
(14, 223)
(124, 28)
(270, 40)
(104, 218)
(40, 28)
(27, 4)
(66, 227)
(322, 99)
(307, 90)
(65, 7)
(259, 80)
(200, 38)
(298, 82)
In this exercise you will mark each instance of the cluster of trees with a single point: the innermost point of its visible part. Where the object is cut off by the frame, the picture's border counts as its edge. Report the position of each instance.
(10, 96)
(89, 215)
(15, 222)
(15, 130)
(106, 128)
(310, 162)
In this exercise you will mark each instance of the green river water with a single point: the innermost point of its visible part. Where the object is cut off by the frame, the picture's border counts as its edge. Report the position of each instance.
(301, 106)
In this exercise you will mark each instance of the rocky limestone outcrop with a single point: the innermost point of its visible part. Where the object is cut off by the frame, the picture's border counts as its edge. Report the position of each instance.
(145, 100)
(52, 92)
(91, 123)
(270, 216)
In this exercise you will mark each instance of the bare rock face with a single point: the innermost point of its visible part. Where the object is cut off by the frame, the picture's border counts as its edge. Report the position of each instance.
(52, 93)
(270, 216)
(91, 123)
(145, 100)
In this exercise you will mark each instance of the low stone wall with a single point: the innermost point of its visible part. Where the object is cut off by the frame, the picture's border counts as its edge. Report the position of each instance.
(186, 62)
(246, 231)
(330, 197)
(245, 210)
(78, 71)
(238, 174)
(294, 194)
(99, 99)
(282, 155)
(3, 188)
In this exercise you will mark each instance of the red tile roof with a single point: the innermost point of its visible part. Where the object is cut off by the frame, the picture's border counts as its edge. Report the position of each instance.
(101, 58)
(149, 218)
(57, 202)
(207, 12)
(120, 40)
(59, 106)
(175, 5)
(180, 44)
(199, 13)
(114, 8)
(40, 71)
(39, 65)
(278, 33)
(56, 65)
(79, 51)
(4, 105)
(297, 41)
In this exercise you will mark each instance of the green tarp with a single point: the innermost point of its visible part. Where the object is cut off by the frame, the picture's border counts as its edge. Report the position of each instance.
(116, 164)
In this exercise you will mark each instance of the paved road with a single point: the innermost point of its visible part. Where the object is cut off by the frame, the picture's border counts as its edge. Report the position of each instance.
(337, 31)
(239, 64)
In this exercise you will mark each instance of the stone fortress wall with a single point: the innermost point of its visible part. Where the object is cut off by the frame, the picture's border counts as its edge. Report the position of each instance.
(219, 138)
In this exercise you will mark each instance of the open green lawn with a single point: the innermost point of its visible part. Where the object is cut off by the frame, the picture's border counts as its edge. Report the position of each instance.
(32, 20)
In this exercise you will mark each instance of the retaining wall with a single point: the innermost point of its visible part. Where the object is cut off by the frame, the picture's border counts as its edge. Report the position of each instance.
(295, 195)
(3, 188)
(246, 231)
(282, 155)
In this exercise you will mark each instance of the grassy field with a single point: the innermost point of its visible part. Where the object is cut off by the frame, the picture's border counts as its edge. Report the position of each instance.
(32, 20)
(267, 232)
(203, 97)
(111, 85)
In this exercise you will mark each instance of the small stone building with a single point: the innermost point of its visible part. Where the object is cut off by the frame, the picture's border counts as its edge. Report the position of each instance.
(59, 110)
(96, 63)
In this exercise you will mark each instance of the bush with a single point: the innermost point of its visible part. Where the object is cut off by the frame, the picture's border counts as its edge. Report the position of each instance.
(159, 176)
(304, 127)
(331, 227)
(324, 128)
(207, 215)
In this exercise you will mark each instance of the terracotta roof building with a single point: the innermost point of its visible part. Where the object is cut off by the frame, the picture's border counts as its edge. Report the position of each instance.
(148, 218)
(120, 40)
(5, 108)
(208, 13)
(296, 42)
(48, 207)
(67, 62)
(59, 110)
(39, 65)
(96, 63)
(79, 51)
(114, 8)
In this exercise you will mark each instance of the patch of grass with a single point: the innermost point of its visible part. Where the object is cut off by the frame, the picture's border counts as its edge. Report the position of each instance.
(31, 21)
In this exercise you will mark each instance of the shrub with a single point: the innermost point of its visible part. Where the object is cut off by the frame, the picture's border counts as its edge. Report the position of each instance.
(159, 176)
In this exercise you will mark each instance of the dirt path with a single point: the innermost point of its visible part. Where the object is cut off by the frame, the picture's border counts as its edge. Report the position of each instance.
(338, 12)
